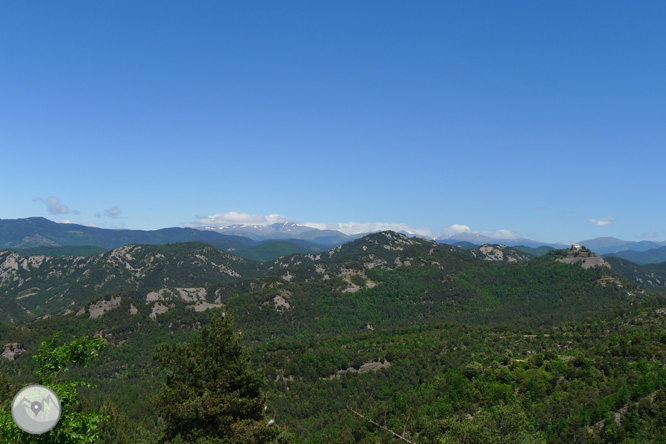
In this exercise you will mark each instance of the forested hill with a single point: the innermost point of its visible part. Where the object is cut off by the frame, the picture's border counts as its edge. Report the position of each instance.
(386, 324)
(379, 277)
(653, 256)
(381, 281)
(649, 275)
(37, 285)
(387, 280)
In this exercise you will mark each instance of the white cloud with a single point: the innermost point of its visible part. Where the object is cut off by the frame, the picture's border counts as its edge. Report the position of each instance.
(501, 234)
(456, 229)
(608, 220)
(112, 212)
(54, 206)
(234, 218)
(647, 235)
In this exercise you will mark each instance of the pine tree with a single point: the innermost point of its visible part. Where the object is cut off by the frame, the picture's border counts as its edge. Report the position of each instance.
(211, 395)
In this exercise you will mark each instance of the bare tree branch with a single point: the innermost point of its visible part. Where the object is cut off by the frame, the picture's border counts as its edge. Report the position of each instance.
(381, 426)
(405, 426)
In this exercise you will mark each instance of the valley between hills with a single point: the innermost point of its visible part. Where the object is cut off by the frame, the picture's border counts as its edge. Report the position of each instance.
(436, 342)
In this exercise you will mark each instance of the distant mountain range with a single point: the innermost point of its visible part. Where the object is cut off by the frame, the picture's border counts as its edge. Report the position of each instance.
(266, 242)
(37, 232)
(609, 245)
(643, 252)
(479, 239)
(286, 230)
(40, 236)
(654, 256)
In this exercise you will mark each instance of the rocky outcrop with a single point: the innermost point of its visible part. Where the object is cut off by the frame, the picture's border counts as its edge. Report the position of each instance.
(499, 253)
(367, 367)
(99, 308)
(585, 259)
(11, 350)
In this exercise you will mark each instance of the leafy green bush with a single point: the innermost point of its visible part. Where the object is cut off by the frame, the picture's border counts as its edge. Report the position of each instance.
(75, 426)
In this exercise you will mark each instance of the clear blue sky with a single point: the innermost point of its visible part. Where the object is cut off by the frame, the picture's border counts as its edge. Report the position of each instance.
(547, 119)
